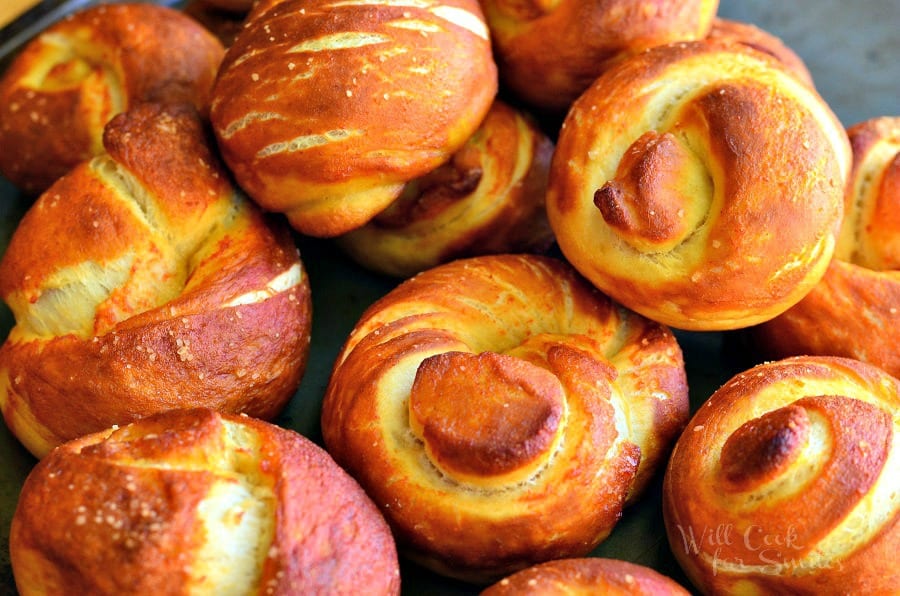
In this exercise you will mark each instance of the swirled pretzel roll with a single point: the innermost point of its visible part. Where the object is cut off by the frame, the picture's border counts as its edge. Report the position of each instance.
(164, 288)
(501, 412)
(197, 502)
(325, 109)
(853, 310)
(700, 185)
(549, 51)
(750, 35)
(488, 199)
(568, 577)
(785, 482)
(69, 81)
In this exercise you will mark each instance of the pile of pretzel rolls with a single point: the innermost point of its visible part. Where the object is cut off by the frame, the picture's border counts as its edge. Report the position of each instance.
(518, 222)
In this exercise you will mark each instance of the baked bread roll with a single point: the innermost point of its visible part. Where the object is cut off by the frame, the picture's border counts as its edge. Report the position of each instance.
(785, 482)
(853, 310)
(548, 53)
(165, 288)
(324, 111)
(566, 577)
(197, 502)
(501, 412)
(728, 30)
(700, 185)
(488, 199)
(69, 81)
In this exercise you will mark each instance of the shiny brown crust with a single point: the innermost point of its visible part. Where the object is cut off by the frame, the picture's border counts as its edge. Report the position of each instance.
(324, 110)
(747, 34)
(571, 577)
(165, 288)
(192, 501)
(785, 482)
(700, 185)
(69, 81)
(488, 199)
(854, 309)
(549, 52)
(500, 411)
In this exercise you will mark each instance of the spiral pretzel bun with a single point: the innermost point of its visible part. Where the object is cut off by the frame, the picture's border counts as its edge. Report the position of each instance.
(69, 81)
(196, 502)
(785, 482)
(568, 577)
(324, 110)
(165, 288)
(501, 412)
(853, 310)
(549, 52)
(700, 185)
(488, 199)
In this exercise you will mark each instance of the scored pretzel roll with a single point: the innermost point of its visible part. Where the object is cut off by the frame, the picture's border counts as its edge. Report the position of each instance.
(700, 184)
(785, 482)
(501, 412)
(549, 51)
(197, 502)
(488, 199)
(70, 80)
(750, 35)
(569, 577)
(325, 109)
(853, 310)
(165, 288)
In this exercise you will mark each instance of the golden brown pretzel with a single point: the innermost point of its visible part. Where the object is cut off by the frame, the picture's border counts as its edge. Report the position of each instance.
(196, 502)
(549, 51)
(70, 80)
(325, 109)
(165, 288)
(785, 482)
(500, 411)
(853, 310)
(488, 199)
(700, 185)
(570, 577)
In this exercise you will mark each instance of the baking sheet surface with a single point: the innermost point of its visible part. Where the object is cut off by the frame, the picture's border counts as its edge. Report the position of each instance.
(852, 50)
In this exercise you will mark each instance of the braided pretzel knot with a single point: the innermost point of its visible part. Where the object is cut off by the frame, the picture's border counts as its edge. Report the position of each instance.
(857, 300)
(700, 185)
(501, 412)
(785, 481)
(167, 288)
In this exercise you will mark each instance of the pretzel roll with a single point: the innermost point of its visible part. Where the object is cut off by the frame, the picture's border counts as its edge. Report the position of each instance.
(501, 412)
(567, 577)
(852, 311)
(488, 199)
(750, 35)
(549, 51)
(785, 482)
(324, 110)
(69, 81)
(165, 288)
(700, 185)
(197, 502)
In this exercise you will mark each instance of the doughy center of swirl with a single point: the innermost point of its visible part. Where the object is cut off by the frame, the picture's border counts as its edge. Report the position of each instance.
(652, 202)
(761, 449)
(486, 419)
